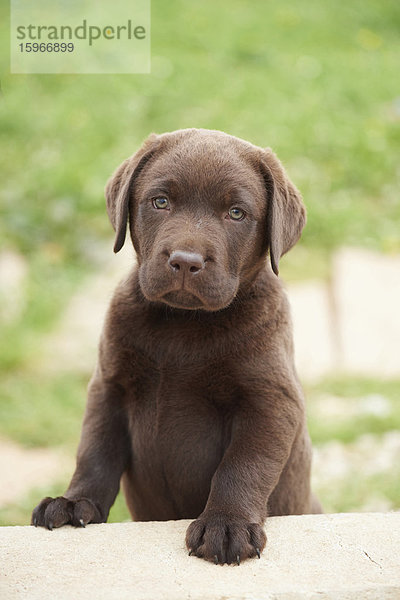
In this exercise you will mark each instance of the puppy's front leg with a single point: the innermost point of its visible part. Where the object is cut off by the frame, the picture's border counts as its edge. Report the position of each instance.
(102, 457)
(230, 529)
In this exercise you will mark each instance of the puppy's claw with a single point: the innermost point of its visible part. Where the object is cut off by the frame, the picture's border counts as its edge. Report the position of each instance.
(82, 523)
(34, 522)
(50, 526)
(190, 552)
(238, 559)
(215, 559)
(258, 552)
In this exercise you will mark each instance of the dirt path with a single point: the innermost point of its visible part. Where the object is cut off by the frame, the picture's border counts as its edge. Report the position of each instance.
(22, 469)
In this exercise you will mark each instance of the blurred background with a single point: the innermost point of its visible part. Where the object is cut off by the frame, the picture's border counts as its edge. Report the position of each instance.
(316, 80)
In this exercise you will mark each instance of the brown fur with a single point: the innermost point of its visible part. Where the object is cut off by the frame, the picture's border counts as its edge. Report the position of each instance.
(195, 401)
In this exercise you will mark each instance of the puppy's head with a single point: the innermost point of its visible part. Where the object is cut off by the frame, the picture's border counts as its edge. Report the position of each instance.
(203, 208)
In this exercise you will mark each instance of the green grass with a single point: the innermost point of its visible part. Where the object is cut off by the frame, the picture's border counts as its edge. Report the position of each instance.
(46, 292)
(42, 410)
(349, 387)
(338, 410)
(352, 421)
(358, 490)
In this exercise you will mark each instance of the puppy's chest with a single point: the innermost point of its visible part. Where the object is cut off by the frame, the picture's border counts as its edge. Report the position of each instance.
(176, 415)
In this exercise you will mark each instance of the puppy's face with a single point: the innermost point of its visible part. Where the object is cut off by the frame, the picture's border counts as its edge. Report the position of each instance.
(198, 223)
(199, 205)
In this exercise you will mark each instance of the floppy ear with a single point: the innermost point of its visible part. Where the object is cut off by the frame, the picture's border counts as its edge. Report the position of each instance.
(286, 214)
(120, 185)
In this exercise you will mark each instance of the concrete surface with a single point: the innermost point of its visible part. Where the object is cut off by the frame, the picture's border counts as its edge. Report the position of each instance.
(341, 557)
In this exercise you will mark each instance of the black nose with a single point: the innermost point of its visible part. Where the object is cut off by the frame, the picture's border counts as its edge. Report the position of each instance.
(189, 262)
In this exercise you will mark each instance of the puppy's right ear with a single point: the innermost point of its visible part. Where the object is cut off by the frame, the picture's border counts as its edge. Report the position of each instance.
(120, 185)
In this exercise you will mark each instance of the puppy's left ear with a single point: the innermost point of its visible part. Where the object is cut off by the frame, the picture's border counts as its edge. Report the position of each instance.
(120, 185)
(286, 213)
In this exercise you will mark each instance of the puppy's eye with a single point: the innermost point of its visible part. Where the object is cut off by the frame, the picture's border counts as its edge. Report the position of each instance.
(161, 203)
(237, 214)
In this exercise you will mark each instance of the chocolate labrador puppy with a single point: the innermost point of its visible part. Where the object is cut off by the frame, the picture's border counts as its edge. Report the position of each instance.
(195, 402)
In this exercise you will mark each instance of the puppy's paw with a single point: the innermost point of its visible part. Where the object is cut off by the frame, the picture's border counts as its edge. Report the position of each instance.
(221, 538)
(55, 512)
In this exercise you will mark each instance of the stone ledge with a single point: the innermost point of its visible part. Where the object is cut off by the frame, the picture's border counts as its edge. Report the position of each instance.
(341, 557)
